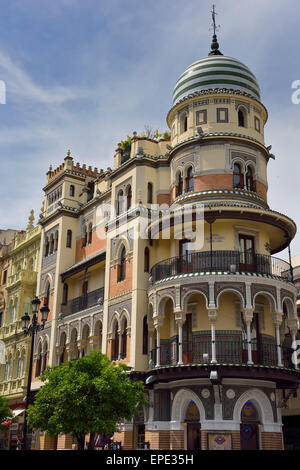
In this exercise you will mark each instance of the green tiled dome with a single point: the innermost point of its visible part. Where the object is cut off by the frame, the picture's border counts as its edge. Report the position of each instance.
(216, 71)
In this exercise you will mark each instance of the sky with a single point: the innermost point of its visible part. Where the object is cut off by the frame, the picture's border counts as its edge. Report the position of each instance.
(81, 75)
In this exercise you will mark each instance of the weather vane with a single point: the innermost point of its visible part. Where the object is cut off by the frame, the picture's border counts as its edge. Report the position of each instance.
(213, 14)
(214, 45)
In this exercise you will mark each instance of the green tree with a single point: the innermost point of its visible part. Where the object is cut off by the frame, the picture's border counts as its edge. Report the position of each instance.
(88, 395)
(5, 411)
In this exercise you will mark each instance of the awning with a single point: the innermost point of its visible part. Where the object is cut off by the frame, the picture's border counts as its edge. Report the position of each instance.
(18, 411)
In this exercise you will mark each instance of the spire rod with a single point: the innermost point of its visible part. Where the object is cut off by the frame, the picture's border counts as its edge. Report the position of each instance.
(214, 45)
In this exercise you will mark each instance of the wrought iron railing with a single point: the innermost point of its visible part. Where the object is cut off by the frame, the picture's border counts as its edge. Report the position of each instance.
(228, 261)
(233, 351)
(84, 301)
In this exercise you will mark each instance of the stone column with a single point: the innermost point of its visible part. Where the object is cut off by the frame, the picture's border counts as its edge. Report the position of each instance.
(292, 323)
(277, 320)
(180, 318)
(212, 317)
(157, 327)
(248, 316)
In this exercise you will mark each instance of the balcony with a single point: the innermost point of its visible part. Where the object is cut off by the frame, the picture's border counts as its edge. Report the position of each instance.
(22, 276)
(228, 351)
(224, 261)
(83, 302)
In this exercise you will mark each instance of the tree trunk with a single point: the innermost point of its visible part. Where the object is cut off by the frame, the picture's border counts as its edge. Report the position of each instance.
(91, 441)
(80, 441)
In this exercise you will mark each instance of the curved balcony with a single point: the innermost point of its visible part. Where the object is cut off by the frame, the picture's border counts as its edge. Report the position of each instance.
(221, 261)
(228, 351)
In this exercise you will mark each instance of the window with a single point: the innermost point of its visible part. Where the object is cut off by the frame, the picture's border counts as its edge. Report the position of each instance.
(147, 260)
(189, 181)
(72, 190)
(5, 276)
(249, 179)
(69, 239)
(47, 298)
(237, 176)
(256, 124)
(201, 117)
(47, 247)
(90, 235)
(222, 115)
(65, 294)
(56, 241)
(242, 117)
(85, 236)
(122, 265)
(149, 193)
(145, 335)
(179, 187)
(51, 247)
(124, 341)
(38, 361)
(183, 123)
(129, 197)
(120, 202)
(116, 343)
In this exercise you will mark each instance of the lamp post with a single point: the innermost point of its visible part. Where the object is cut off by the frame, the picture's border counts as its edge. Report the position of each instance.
(31, 330)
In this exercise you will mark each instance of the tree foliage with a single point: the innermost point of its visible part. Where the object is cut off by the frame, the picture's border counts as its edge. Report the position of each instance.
(88, 395)
(5, 411)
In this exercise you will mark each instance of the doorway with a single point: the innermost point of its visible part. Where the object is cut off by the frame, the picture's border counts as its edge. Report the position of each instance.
(193, 427)
(247, 254)
(249, 430)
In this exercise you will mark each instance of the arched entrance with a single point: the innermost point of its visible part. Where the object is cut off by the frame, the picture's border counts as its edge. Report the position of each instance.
(249, 427)
(193, 427)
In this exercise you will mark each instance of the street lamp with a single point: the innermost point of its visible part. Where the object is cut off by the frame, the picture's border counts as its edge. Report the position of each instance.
(31, 330)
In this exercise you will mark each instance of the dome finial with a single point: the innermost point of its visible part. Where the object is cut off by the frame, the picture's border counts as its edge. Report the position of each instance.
(214, 45)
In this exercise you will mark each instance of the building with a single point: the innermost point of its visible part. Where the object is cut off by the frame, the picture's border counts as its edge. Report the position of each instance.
(20, 288)
(203, 328)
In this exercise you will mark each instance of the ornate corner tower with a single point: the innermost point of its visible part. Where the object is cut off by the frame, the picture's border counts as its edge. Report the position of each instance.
(219, 316)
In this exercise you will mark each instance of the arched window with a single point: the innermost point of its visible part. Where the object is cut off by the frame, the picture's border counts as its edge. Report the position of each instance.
(183, 123)
(38, 361)
(46, 246)
(90, 234)
(179, 187)
(72, 190)
(124, 341)
(18, 362)
(65, 294)
(122, 265)
(56, 241)
(129, 197)
(146, 260)
(145, 335)
(51, 248)
(47, 298)
(115, 354)
(237, 176)
(241, 118)
(249, 179)
(120, 202)
(69, 239)
(189, 181)
(149, 193)
(85, 236)
(44, 358)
